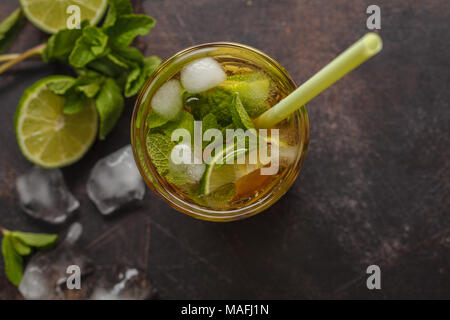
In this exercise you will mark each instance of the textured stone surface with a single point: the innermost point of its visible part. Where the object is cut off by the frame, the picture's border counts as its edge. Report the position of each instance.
(374, 189)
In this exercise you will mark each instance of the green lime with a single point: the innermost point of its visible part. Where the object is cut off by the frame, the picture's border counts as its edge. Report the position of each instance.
(217, 175)
(52, 15)
(220, 174)
(239, 115)
(253, 89)
(47, 136)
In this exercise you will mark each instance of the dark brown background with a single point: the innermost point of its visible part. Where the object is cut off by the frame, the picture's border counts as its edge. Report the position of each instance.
(374, 189)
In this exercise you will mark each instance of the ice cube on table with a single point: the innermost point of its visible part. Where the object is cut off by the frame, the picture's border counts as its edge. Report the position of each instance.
(43, 195)
(121, 283)
(202, 74)
(183, 165)
(115, 181)
(167, 101)
(45, 275)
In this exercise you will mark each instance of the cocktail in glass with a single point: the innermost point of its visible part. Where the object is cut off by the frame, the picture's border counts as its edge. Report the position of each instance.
(195, 97)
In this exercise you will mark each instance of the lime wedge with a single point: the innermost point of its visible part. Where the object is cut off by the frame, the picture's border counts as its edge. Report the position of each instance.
(217, 175)
(47, 136)
(239, 115)
(52, 15)
(253, 89)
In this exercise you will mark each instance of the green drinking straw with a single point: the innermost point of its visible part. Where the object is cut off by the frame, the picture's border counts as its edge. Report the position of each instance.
(360, 51)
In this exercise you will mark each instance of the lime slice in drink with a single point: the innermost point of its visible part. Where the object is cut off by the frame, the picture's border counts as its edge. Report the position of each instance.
(217, 175)
(53, 15)
(253, 89)
(47, 136)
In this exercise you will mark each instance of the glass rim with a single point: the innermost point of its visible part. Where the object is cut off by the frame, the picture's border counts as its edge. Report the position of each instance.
(198, 211)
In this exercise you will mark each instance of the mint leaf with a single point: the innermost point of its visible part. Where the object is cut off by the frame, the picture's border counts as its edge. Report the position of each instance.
(127, 27)
(209, 122)
(13, 261)
(198, 105)
(60, 87)
(16, 244)
(224, 129)
(89, 85)
(128, 67)
(220, 100)
(9, 28)
(88, 73)
(135, 80)
(20, 247)
(239, 115)
(116, 9)
(215, 101)
(91, 89)
(38, 240)
(117, 61)
(75, 101)
(108, 66)
(60, 45)
(139, 74)
(76, 92)
(159, 148)
(131, 77)
(91, 45)
(221, 196)
(155, 120)
(109, 103)
(151, 64)
(184, 120)
(129, 54)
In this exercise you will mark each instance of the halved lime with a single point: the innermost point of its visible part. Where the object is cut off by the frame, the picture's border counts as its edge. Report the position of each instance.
(52, 15)
(47, 136)
(217, 175)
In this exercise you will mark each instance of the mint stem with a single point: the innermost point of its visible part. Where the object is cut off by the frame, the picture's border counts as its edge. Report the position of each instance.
(12, 56)
(20, 57)
(8, 57)
(3, 230)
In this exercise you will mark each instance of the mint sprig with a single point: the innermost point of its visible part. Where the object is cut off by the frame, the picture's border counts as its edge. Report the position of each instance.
(105, 53)
(16, 245)
(99, 55)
